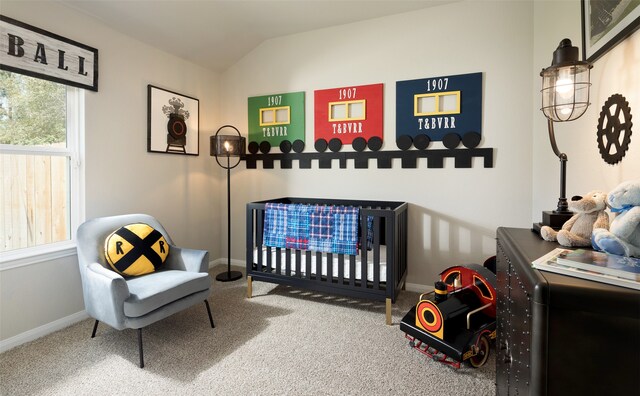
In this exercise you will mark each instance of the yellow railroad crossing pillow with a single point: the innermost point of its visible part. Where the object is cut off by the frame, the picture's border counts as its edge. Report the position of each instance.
(136, 249)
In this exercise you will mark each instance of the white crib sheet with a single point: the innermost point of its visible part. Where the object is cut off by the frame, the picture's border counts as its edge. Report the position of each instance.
(303, 261)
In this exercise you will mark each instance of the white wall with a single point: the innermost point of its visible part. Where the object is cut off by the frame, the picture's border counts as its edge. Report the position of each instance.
(615, 72)
(121, 177)
(453, 212)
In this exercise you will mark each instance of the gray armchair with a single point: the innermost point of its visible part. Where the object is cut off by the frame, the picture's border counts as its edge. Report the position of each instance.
(136, 302)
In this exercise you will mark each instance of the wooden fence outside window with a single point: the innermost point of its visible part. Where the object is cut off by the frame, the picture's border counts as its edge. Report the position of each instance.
(34, 200)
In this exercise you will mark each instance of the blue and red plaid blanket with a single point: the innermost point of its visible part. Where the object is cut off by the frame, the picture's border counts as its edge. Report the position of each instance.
(330, 229)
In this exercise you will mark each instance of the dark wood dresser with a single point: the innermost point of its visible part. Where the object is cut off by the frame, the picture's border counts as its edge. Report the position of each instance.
(560, 335)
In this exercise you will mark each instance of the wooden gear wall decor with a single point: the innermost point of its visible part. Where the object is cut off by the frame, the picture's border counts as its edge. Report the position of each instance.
(446, 109)
(614, 129)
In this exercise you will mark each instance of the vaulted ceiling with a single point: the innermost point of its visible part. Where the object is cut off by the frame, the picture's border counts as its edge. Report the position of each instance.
(217, 33)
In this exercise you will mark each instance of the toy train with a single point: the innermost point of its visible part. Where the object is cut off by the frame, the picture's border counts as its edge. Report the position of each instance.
(457, 321)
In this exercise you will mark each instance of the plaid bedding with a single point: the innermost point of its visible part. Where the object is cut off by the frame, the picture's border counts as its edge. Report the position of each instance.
(274, 225)
(330, 229)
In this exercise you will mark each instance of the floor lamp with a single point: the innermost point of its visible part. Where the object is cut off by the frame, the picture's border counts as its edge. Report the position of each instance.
(228, 146)
(565, 97)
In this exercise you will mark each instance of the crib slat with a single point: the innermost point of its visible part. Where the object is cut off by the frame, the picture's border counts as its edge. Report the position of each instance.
(308, 262)
(259, 223)
(363, 250)
(352, 270)
(376, 253)
(340, 269)
(270, 260)
(318, 267)
(269, 248)
(287, 260)
(329, 267)
(278, 259)
(392, 274)
(298, 263)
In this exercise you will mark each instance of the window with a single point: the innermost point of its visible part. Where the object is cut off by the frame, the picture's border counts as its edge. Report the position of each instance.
(439, 103)
(275, 116)
(352, 110)
(40, 194)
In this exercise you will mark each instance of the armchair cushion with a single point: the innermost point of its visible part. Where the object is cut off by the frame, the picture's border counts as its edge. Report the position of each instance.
(152, 291)
(136, 249)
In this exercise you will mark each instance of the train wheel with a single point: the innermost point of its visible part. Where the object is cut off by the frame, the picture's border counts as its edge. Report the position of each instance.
(359, 144)
(451, 140)
(265, 147)
(483, 353)
(253, 147)
(421, 141)
(285, 146)
(471, 140)
(298, 146)
(335, 145)
(404, 142)
(321, 145)
(375, 143)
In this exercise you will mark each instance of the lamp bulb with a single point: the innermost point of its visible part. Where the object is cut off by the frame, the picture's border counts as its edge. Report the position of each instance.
(564, 83)
(227, 146)
(565, 110)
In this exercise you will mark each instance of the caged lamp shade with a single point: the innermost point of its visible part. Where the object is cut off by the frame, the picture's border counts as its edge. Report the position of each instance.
(227, 146)
(565, 85)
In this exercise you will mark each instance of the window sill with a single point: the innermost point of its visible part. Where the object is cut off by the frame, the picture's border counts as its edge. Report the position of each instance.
(35, 255)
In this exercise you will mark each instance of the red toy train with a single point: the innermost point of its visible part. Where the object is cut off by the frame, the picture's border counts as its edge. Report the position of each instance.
(457, 321)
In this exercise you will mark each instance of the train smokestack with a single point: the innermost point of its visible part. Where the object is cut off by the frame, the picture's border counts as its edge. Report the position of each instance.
(440, 291)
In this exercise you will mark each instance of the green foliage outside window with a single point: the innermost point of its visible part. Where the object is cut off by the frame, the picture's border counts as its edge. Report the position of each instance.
(32, 111)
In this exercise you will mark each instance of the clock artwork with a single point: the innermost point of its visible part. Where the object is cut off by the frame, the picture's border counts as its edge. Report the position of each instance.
(172, 122)
(176, 127)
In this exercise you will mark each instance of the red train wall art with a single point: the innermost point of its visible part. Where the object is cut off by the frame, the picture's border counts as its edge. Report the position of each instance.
(342, 115)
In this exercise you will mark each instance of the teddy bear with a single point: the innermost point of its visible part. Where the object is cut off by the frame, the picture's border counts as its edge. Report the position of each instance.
(623, 237)
(589, 214)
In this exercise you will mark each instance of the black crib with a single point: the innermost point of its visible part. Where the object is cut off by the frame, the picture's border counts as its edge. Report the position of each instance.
(378, 272)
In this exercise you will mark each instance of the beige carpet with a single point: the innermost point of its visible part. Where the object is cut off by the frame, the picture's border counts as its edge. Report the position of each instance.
(283, 341)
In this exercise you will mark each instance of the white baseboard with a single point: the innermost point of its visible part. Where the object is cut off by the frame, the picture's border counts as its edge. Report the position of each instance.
(223, 260)
(418, 288)
(42, 331)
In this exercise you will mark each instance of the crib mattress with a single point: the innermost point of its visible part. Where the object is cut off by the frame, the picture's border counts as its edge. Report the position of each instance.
(335, 264)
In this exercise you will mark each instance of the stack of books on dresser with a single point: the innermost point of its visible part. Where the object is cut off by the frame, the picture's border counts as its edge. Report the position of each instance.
(592, 265)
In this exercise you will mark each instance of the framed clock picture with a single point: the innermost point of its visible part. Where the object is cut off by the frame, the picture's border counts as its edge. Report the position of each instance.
(172, 122)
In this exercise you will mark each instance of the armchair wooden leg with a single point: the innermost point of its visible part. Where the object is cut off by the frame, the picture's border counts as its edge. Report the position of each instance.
(95, 327)
(140, 348)
(209, 312)
(249, 286)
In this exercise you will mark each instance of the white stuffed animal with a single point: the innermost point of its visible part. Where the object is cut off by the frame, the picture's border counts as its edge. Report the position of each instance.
(623, 237)
(589, 214)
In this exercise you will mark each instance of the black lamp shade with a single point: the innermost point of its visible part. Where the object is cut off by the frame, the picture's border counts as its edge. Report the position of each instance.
(227, 145)
(565, 85)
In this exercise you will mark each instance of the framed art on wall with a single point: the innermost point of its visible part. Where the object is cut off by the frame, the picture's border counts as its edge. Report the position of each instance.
(607, 23)
(172, 122)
